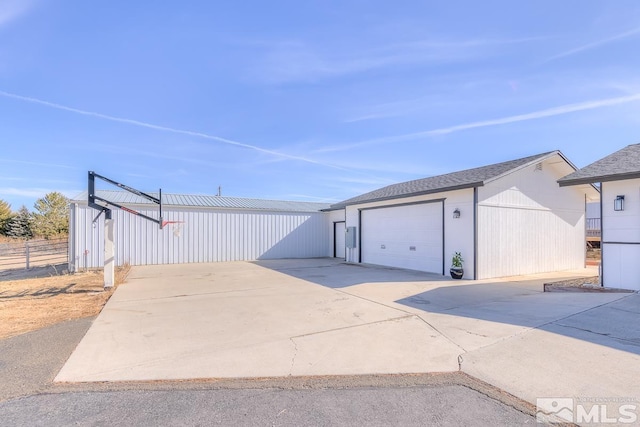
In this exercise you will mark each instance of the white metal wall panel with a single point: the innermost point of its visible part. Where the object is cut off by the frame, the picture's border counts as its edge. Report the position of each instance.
(339, 236)
(72, 237)
(204, 235)
(404, 236)
(527, 241)
(87, 238)
(528, 224)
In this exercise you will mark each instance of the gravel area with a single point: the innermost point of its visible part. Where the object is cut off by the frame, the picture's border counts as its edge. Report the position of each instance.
(581, 284)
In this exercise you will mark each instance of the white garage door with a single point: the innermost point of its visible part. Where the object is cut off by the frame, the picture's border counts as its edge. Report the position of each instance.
(404, 237)
(339, 236)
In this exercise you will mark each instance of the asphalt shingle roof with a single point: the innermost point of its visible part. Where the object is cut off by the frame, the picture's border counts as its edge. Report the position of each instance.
(452, 181)
(191, 200)
(623, 164)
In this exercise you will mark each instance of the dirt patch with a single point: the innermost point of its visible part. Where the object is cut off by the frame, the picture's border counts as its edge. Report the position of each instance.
(594, 256)
(582, 284)
(30, 304)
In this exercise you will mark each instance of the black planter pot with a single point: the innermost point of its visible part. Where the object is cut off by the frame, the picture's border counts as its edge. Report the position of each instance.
(456, 272)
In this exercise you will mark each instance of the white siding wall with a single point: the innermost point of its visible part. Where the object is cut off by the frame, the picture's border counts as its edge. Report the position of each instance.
(593, 210)
(458, 232)
(206, 235)
(621, 235)
(528, 224)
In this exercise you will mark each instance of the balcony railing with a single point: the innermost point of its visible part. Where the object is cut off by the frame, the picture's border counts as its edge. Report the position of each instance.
(593, 227)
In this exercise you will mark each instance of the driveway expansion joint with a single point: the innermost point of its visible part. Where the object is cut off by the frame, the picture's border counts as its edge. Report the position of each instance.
(632, 341)
(408, 313)
(551, 322)
(295, 354)
(393, 319)
(192, 295)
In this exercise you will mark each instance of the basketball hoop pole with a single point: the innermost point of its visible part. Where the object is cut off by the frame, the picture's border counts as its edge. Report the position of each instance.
(109, 247)
(93, 198)
(109, 253)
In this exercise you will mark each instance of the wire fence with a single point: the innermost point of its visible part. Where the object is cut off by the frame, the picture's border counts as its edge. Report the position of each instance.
(33, 253)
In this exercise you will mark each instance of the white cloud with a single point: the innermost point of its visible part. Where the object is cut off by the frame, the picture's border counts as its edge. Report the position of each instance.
(550, 112)
(297, 61)
(11, 10)
(367, 181)
(26, 162)
(33, 191)
(594, 45)
(394, 109)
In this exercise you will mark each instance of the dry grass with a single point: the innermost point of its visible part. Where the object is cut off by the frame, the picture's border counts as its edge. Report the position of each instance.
(594, 253)
(30, 304)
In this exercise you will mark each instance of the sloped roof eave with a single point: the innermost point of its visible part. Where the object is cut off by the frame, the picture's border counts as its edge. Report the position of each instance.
(468, 178)
(624, 164)
(407, 195)
(598, 178)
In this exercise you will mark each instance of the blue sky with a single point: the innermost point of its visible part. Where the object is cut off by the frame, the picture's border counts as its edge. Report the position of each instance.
(305, 100)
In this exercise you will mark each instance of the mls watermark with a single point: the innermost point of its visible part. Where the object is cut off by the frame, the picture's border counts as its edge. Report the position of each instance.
(587, 410)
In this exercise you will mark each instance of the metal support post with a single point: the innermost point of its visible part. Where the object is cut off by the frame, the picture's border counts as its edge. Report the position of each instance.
(109, 252)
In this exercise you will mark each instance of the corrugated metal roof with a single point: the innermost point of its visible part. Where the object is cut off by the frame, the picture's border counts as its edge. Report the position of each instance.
(204, 201)
(623, 164)
(452, 181)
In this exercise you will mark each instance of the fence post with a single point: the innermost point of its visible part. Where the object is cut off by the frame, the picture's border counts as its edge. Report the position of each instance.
(26, 245)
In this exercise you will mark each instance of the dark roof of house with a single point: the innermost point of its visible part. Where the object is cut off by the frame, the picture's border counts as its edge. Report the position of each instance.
(623, 164)
(469, 178)
(204, 201)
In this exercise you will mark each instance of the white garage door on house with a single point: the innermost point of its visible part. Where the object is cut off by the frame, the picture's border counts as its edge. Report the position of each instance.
(340, 247)
(408, 236)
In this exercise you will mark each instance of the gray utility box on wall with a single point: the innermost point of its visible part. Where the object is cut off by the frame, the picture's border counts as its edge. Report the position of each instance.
(350, 237)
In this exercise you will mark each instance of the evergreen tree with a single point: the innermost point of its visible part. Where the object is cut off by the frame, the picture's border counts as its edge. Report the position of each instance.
(5, 215)
(51, 217)
(19, 226)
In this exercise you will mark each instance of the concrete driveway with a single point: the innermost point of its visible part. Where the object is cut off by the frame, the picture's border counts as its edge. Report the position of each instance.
(323, 317)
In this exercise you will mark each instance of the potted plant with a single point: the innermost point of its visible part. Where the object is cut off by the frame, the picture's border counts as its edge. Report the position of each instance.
(456, 270)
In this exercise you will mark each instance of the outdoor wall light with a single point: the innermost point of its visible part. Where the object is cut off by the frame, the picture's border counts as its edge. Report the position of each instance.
(618, 203)
(456, 213)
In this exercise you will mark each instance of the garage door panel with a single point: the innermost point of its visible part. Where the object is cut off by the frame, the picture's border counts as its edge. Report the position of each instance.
(404, 237)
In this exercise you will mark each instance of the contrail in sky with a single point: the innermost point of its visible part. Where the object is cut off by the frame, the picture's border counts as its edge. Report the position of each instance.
(549, 112)
(166, 129)
(593, 45)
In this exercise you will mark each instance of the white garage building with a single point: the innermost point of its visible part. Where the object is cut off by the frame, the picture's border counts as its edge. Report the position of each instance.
(506, 219)
(208, 229)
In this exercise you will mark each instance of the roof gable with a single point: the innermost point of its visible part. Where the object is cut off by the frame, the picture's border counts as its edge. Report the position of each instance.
(469, 178)
(623, 164)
